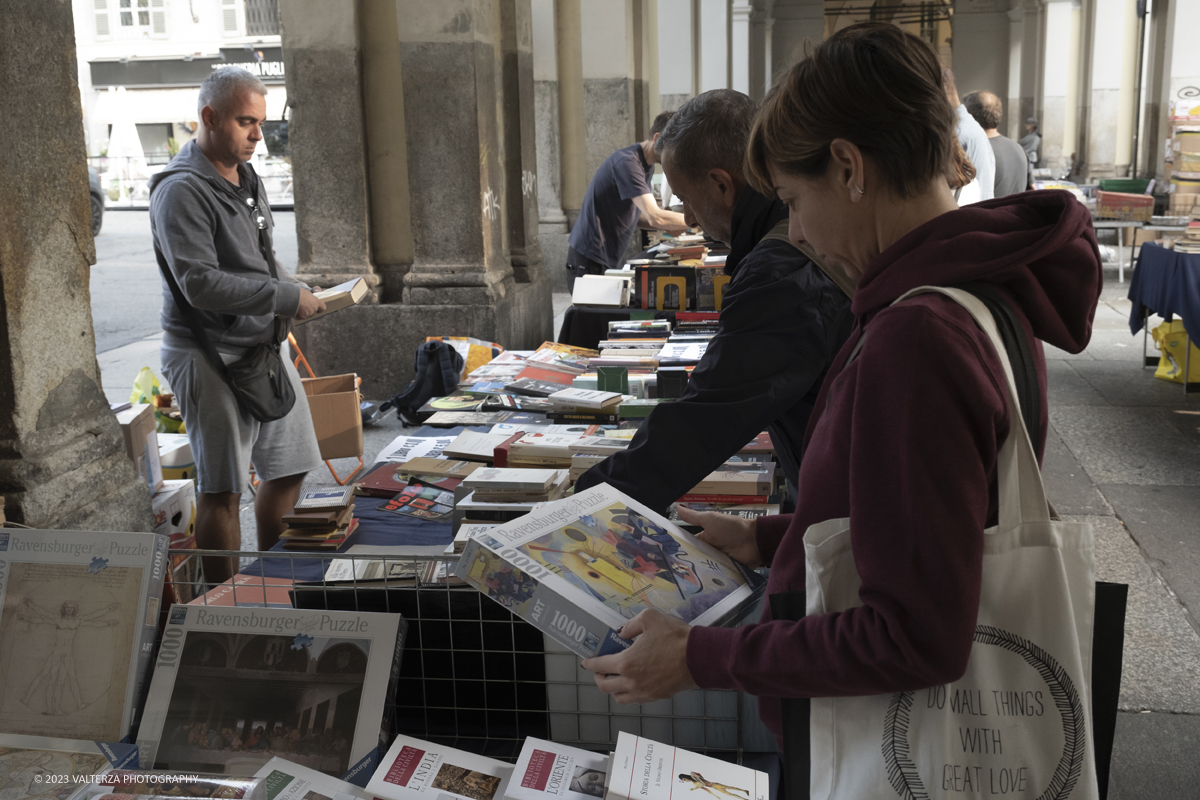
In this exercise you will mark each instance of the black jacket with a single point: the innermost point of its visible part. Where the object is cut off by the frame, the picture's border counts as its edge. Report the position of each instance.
(781, 324)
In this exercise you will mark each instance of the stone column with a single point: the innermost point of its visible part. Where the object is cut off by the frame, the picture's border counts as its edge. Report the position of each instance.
(739, 55)
(1013, 125)
(610, 101)
(714, 44)
(62, 455)
(674, 52)
(387, 156)
(520, 142)
(981, 48)
(1058, 95)
(1172, 75)
(1109, 129)
(760, 58)
(323, 59)
(461, 281)
(795, 22)
(568, 45)
(1030, 103)
(552, 222)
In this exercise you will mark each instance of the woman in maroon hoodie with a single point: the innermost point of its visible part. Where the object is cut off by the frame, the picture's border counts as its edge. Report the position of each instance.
(858, 139)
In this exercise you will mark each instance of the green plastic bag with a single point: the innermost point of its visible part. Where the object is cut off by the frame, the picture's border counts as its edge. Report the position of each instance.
(146, 389)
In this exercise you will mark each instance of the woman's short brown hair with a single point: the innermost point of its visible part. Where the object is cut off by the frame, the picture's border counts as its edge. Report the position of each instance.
(871, 84)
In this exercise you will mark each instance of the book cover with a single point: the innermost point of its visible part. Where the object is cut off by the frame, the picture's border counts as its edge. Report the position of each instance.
(309, 686)
(508, 429)
(281, 779)
(138, 782)
(46, 768)
(562, 357)
(418, 770)
(422, 502)
(533, 387)
(403, 448)
(585, 398)
(745, 478)
(78, 621)
(526, 480)
(386, 480)
(325, 499)
(442, 467)
(454, 402)
(643, 769)
(248, 591)
(476, 446)
(341, 296)
(452, 419)
(579, 568)
(550, 770)
(361, 570)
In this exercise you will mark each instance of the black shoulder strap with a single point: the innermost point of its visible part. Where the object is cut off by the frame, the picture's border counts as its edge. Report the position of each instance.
(1020, 355)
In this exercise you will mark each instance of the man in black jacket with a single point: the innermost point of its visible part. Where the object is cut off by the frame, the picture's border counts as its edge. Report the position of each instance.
(783, 319)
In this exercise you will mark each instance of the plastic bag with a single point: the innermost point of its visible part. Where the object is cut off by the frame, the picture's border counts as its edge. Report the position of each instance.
(147, 389)
(1171, 339)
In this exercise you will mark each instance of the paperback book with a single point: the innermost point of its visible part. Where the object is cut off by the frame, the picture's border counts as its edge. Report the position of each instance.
(309, 686)
(422, 502)
(579, 568)
(78, 621)
(643, 769)
(418, 770)
(548, 770)
(286, 780)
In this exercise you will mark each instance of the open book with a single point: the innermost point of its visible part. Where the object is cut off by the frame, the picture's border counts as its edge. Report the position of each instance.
(341, 296)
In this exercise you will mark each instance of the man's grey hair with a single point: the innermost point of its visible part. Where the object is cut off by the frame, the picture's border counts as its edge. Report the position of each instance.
(223, 85)
(710, 131)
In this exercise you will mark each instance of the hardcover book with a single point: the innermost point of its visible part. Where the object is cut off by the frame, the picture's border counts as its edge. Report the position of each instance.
(579, 568)
(325, 499)
(441, 467)
(43, 768)
(418, 770)
(313, 687)
(286, 780)
(533, 387)
(585, 398)
(550, 770)
(78, 621)
(643, 769)
(341, 296)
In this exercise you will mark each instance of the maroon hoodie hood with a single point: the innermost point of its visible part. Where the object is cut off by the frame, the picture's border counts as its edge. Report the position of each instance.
(1039, 246)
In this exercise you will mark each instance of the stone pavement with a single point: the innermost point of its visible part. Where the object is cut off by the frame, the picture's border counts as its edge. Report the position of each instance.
(1124, 454)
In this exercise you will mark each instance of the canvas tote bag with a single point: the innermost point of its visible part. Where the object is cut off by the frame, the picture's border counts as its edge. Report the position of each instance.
(1018, 724)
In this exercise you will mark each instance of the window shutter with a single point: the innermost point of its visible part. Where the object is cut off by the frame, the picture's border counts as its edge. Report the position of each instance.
(158, 17)
(102, 18)
(229, 17)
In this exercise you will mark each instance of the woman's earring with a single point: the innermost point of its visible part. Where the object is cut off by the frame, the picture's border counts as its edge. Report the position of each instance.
(858, 193)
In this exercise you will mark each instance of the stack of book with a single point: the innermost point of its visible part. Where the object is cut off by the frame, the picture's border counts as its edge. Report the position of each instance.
(507, 485)
(321, 520)
(585, 406)
(544, 450)
(588, 452)
(552, 367)
(500, 370)
(735, 483)
(1190, 241)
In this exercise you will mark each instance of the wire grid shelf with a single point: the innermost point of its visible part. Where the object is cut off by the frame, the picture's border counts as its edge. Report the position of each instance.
(473, 675)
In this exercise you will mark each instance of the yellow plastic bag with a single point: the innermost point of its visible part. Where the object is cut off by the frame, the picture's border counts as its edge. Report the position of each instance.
(146, 389)
(475, 353)
(1171, 339)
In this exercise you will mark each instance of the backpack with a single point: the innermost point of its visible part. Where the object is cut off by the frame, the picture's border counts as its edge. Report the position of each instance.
(437, 368)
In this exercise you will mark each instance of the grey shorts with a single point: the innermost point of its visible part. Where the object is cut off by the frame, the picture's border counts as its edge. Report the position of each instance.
(225, 440)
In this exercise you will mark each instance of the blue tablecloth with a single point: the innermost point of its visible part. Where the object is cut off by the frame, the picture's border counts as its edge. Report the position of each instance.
(1167, 283)
(374, 528)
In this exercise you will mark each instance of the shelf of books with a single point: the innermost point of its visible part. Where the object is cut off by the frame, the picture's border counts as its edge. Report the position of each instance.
(417, 633)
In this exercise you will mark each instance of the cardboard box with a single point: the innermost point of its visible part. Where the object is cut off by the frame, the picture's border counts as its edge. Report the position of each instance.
(334, 403)
(175, 457)
(141, 442)
(1123, 206)
(174, 511)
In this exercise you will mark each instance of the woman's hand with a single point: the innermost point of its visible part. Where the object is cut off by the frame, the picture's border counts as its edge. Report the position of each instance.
(732, 535)
(655, 665)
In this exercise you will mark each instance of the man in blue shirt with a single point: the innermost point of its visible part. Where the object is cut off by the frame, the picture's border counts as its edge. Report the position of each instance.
(619, 199)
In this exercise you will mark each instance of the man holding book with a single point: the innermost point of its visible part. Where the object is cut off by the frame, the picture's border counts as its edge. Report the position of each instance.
(783, 319)
(618, 199)
(222, 295)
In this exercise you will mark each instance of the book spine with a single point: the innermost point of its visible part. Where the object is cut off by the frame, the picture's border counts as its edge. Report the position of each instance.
(755, 489)
(495, 516)
(545, 609)
(737, 499)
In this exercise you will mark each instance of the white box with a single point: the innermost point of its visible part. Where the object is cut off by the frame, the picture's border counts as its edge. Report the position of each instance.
(174, 510)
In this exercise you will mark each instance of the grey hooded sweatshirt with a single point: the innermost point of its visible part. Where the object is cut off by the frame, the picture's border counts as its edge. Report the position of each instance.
(206, 234)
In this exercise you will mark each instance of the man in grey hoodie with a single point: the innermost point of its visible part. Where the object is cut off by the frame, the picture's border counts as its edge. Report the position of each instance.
(207, 212)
